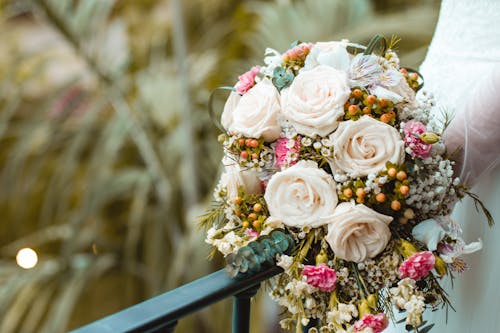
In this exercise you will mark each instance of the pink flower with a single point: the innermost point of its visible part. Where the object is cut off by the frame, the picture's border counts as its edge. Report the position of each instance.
(287, 152)
(247, 80)
(252, 234)
(321, 277)
(412, 130)
(298, 52)
(417, 266)
(377, 323)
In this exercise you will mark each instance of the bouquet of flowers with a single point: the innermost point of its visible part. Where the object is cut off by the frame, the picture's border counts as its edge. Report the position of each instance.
(334, 172)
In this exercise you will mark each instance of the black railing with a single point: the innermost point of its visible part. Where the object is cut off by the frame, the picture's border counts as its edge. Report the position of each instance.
(161, 313)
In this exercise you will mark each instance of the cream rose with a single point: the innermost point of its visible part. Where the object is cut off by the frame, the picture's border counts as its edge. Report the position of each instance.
(302, 195)
(315, 100)
(234, 176)
(364, 146)
(333, 54)
(254, 114)
(357, 233)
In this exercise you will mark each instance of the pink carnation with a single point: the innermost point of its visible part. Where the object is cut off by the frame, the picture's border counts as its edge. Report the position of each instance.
(412, 130)
(377, 323)
(321, 277)
(298, 52)
(286, 155)
(417, 266)
(247, 80)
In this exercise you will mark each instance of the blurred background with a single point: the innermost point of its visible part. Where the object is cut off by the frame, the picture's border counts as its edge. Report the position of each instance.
(107, 152)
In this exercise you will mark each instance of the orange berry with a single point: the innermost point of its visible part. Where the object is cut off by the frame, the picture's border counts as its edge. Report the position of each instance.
(380, 197)
(245, 224)
(409, 213)
(404, 70)
(385, 118)
(357, 93)
(238, 200)
(401, 175)
(353, 109)
(404, 189)
(367, 110)
(255, 156)
(254, 143)
(256, 224)
(383, 102)
(347, 192)
(241, 142)
(360, 200)
(413, 76)
(244, 154)
(395, 205)
(257, 207)
(370, 99)
(392, 172)
(360, 192)
(252, 216)
(247, 142)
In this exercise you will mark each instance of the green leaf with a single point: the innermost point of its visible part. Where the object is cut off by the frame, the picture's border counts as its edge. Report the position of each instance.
(282, 78)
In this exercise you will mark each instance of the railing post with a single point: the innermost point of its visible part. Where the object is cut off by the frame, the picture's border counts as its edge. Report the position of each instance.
(171, 327)
(241, 309)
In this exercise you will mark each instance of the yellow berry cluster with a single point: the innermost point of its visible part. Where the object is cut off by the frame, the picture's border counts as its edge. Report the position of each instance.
(252, 211)
(362, 103)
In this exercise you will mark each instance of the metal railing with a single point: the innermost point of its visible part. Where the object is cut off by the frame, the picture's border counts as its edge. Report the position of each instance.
(161, 313)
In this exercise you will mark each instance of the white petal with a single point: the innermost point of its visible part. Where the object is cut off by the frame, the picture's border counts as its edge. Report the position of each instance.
(429, 232)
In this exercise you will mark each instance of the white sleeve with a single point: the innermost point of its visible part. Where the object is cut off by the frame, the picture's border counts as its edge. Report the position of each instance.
(474, 133)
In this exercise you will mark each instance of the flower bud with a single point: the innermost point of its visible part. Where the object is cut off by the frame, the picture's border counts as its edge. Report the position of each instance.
(221, 138)
(363, 308)
(407, 249)
(322, 257)
(440, 266)
(429, 137)
(372, 301)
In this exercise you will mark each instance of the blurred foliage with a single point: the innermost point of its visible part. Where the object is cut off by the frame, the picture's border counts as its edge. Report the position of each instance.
(93, 140)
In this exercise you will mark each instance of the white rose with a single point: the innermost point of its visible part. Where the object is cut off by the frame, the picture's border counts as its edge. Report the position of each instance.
(226, 118)
(254, 114)
(357, 233)
(234, 176)
(333, 54)
(302, 195)
(315, 100)
(364, 146)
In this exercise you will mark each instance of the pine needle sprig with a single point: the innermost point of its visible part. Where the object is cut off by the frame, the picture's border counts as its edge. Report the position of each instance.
(214, 217)
(486, 212)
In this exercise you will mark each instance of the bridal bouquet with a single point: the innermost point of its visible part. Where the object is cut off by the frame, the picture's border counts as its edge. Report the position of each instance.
(333, 171)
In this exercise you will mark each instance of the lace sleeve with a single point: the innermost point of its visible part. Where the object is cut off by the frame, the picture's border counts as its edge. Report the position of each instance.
(474, 133)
